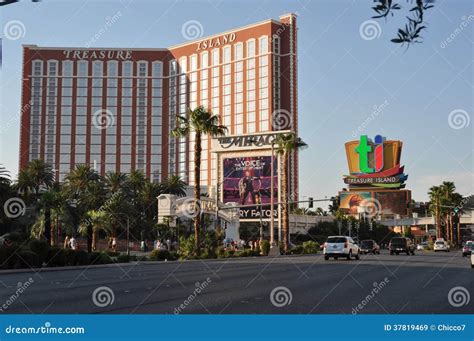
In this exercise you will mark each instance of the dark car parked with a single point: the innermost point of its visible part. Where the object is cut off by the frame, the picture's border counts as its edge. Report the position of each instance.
(401, 244)
(369, 246)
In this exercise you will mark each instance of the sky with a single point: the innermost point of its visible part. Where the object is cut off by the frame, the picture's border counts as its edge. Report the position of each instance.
(351, 79)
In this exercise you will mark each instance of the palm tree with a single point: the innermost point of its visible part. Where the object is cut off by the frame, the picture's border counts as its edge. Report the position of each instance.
(115, 181)
(174, 185)
(448, 189)
(84, 189)
(98, 220)
(201, 122)
(285, 145)
(436, 193)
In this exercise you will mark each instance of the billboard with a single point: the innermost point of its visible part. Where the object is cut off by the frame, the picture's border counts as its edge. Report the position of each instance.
(388, 203)
(247, 181)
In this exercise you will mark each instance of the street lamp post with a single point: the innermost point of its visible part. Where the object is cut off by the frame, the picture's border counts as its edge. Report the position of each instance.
(128, 236)
(272, 200)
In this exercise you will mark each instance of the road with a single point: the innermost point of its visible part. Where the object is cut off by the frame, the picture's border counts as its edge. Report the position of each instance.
(405, 284)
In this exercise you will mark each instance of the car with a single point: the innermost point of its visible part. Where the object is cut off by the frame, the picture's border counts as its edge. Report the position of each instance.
(441, 245)
(340, 246)
(401, 244)
(423, 246)
(468, 249)
(369, 246)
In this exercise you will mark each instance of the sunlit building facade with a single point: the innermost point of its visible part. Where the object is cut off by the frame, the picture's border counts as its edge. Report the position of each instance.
(114, 109)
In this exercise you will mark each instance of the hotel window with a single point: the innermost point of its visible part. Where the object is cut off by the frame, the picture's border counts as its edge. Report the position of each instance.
(51, 97)
(250, 103)
(36, 100)
(227, 87)
(173, 70)
(204, 87)
(156, 120)
(126, 117)
(111, 105)
(97, 111)
(238, 88)
(183, 106)
(66, 111)
(141, 108)
(276, 73)
(193, 85)
(263, 84)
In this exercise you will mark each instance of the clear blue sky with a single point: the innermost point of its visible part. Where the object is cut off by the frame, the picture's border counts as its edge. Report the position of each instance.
(341, 76)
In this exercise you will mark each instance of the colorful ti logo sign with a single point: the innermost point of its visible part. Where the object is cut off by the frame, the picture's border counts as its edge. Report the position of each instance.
(364, 149)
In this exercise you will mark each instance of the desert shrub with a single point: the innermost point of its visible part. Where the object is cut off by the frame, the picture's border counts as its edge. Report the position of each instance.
(229, 253)
(297, 250)
(265, 246)
(310, 247)
(40, 247)
(159, 255)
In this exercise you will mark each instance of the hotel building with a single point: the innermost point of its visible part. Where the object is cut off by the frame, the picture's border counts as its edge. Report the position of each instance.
(114, 109)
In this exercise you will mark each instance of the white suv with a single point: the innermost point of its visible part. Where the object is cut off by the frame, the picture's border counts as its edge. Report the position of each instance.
(341, 246)
(441, 245)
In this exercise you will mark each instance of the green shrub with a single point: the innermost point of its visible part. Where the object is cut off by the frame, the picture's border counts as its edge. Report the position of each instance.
(297, 250)
(41, 248)
(123, 258)
(112, 253)
(220, 252)
(265, 245)
(81, 257)
(56, 257)
(157, 255)
(27, 259)
(229, 253)
(7, 258)
(99, 258)
(141, 258)
(70, 257)
(310, 247)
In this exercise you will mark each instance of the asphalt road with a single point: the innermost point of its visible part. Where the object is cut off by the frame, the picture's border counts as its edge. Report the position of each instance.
(405, 284)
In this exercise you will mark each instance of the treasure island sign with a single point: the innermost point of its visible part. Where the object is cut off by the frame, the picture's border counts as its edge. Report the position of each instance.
(374, 164)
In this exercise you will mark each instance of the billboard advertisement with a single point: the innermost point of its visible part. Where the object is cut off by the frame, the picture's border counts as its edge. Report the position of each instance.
(388, 203)
(247, 181)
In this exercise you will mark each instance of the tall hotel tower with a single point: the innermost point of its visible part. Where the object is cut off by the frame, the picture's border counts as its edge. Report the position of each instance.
(114, 109)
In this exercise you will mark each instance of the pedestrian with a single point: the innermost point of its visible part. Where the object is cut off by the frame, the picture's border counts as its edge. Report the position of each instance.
(142, 246)
(114, 244)
(73, 243)
(66, 242)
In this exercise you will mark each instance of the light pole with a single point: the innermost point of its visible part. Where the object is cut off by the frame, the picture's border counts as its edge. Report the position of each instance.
(272, 200)
(128, 236)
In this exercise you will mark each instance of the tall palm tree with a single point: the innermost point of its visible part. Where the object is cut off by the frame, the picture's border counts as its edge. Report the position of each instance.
(174, 185)
(200, 122)
(98, 220)
(84, 189)
(448, 189)
(436, 193)
(285, 145)
(115, 181)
